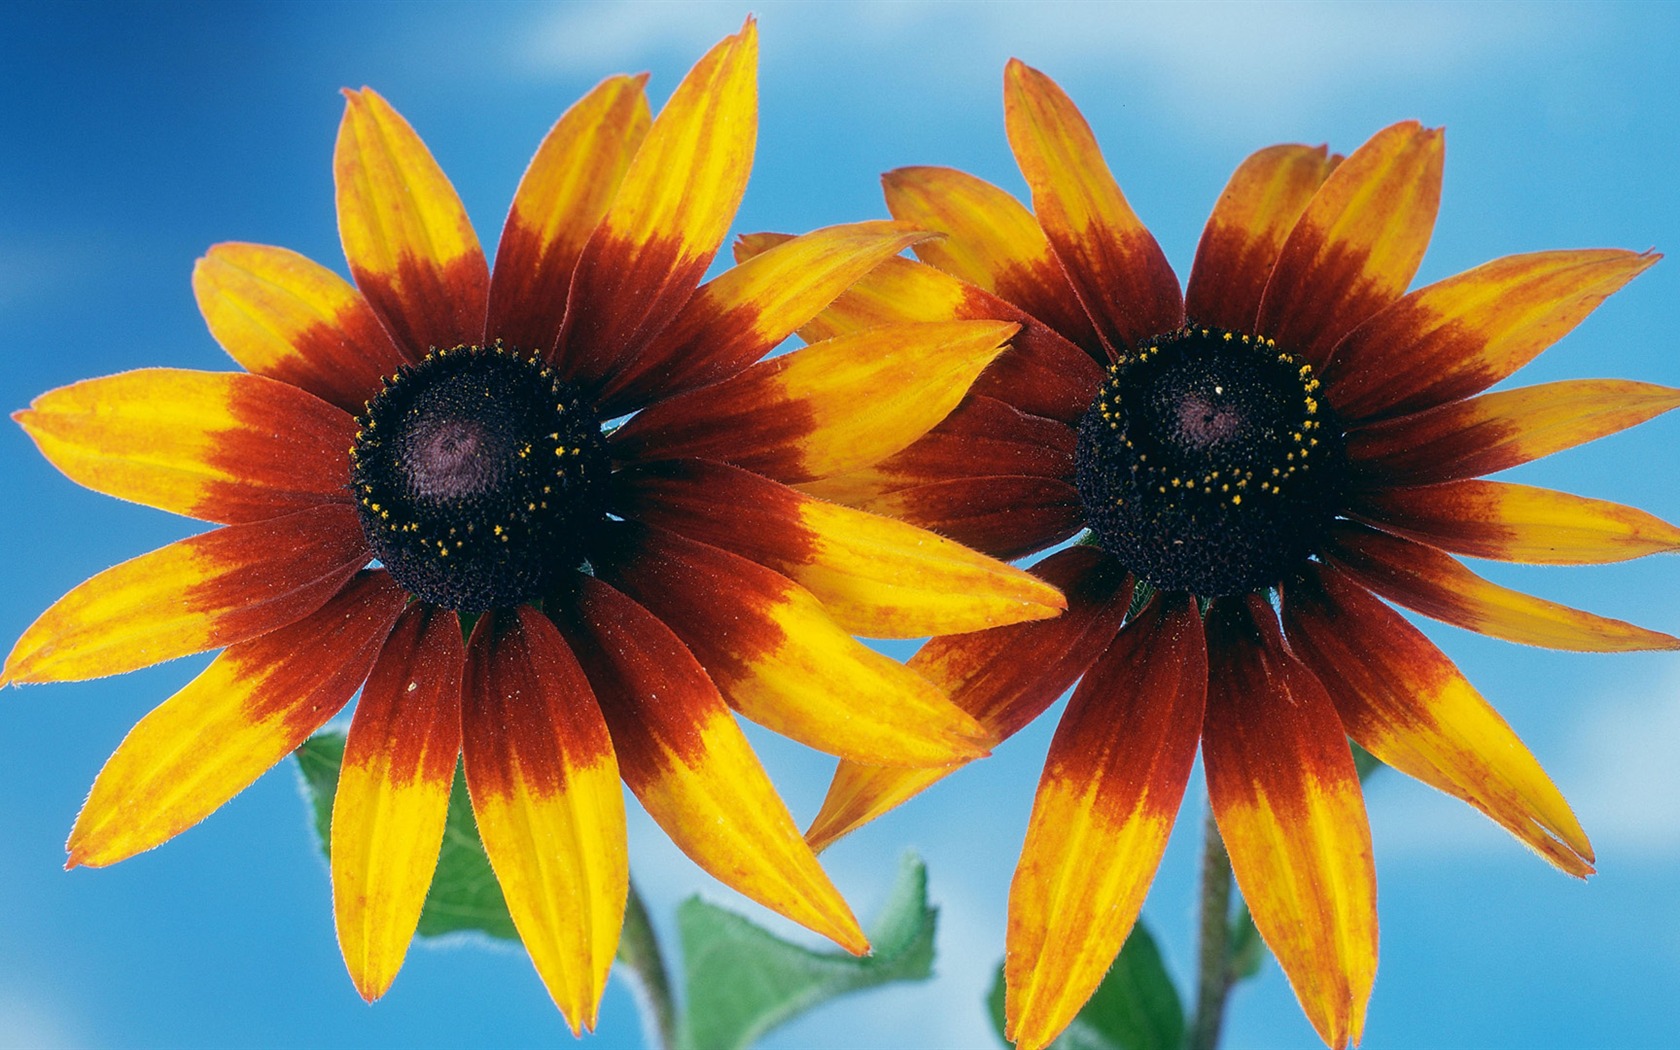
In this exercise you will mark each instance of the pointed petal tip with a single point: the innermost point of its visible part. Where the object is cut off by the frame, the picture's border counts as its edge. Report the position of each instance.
(371, 990)
(853, 940)
(824, 832)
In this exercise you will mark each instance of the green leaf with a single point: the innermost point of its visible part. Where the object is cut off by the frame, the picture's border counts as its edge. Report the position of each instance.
(465, 896)
(1135, 1008)
(318, 760)
(1363, 761)
(1247, 950)
(742, 981)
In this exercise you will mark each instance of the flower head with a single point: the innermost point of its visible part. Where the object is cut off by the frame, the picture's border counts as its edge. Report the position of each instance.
(1252, 465)
(583, 459)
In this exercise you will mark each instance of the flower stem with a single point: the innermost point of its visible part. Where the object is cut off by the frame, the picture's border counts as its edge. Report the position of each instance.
(638, 949)
(1214, 974)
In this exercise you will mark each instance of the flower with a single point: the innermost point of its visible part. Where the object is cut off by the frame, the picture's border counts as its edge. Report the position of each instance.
(430, 443)
(1292, 438)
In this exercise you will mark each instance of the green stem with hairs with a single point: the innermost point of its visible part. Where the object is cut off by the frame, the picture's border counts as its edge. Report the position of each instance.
(1214, 971)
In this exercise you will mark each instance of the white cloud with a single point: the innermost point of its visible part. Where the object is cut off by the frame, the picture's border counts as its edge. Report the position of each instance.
(26, 1023)
(1213, 65)
(31, 270)
(602, 36)
(1624, 777)
(1620, 774)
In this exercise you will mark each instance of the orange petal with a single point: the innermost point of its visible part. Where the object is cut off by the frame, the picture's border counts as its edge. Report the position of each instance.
(829, 408)
(1358, 244)
(223, 447)
(544, 786)
(780, 660)
(1245, 234)
(875, 576)
(1493, 519)
(1041, 373)
(690, 765)
(282, 316)
(1286, 795)
(1405, 702)
(1459, 336)
(393, 793)
(743, 314)
(982, 436)
(250, 708)
(991, 241)
(1435, 584)
(1464, 439)
(212, 590)
(1119, 272)
(1004, 516)
(565, 191)
(1111, 787)
(670, 215)
(1005, 677)
(410, 245)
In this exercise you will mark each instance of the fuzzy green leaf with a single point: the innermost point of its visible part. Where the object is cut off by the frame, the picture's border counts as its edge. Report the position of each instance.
(742, 981)
(1135, 1008)
(465, 896)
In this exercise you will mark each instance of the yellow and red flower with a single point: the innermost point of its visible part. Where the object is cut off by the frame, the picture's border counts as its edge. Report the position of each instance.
(430, 442)
(1289, 440)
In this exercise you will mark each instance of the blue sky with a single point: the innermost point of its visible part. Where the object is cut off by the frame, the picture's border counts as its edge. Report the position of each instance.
(136, 136)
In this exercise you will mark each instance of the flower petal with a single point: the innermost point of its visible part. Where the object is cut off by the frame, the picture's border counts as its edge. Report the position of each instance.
(1286, 795)
(982, 436)
(780, 660)
(211, 590)
(1245, 234)
(1005, 677)
(1119, 272)
(1494, 519)
(670, 215)
(1358, 244)
(1041, 373)
(741, 315)
(393, 793)
(1459, 336)
(250, 708)
(828, 408)
(1404, 701)
(544, 786)
(280, 315)
(681, 752)
(1105, 805)
(1005, 516)
(874, 576)
(1464, 439)
(567, 188)
(991, 241)
(406, 236)
(218, 446)
(1433, 583)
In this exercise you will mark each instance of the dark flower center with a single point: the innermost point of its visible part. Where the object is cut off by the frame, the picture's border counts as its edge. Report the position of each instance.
(480, 478)
(1209, 463)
